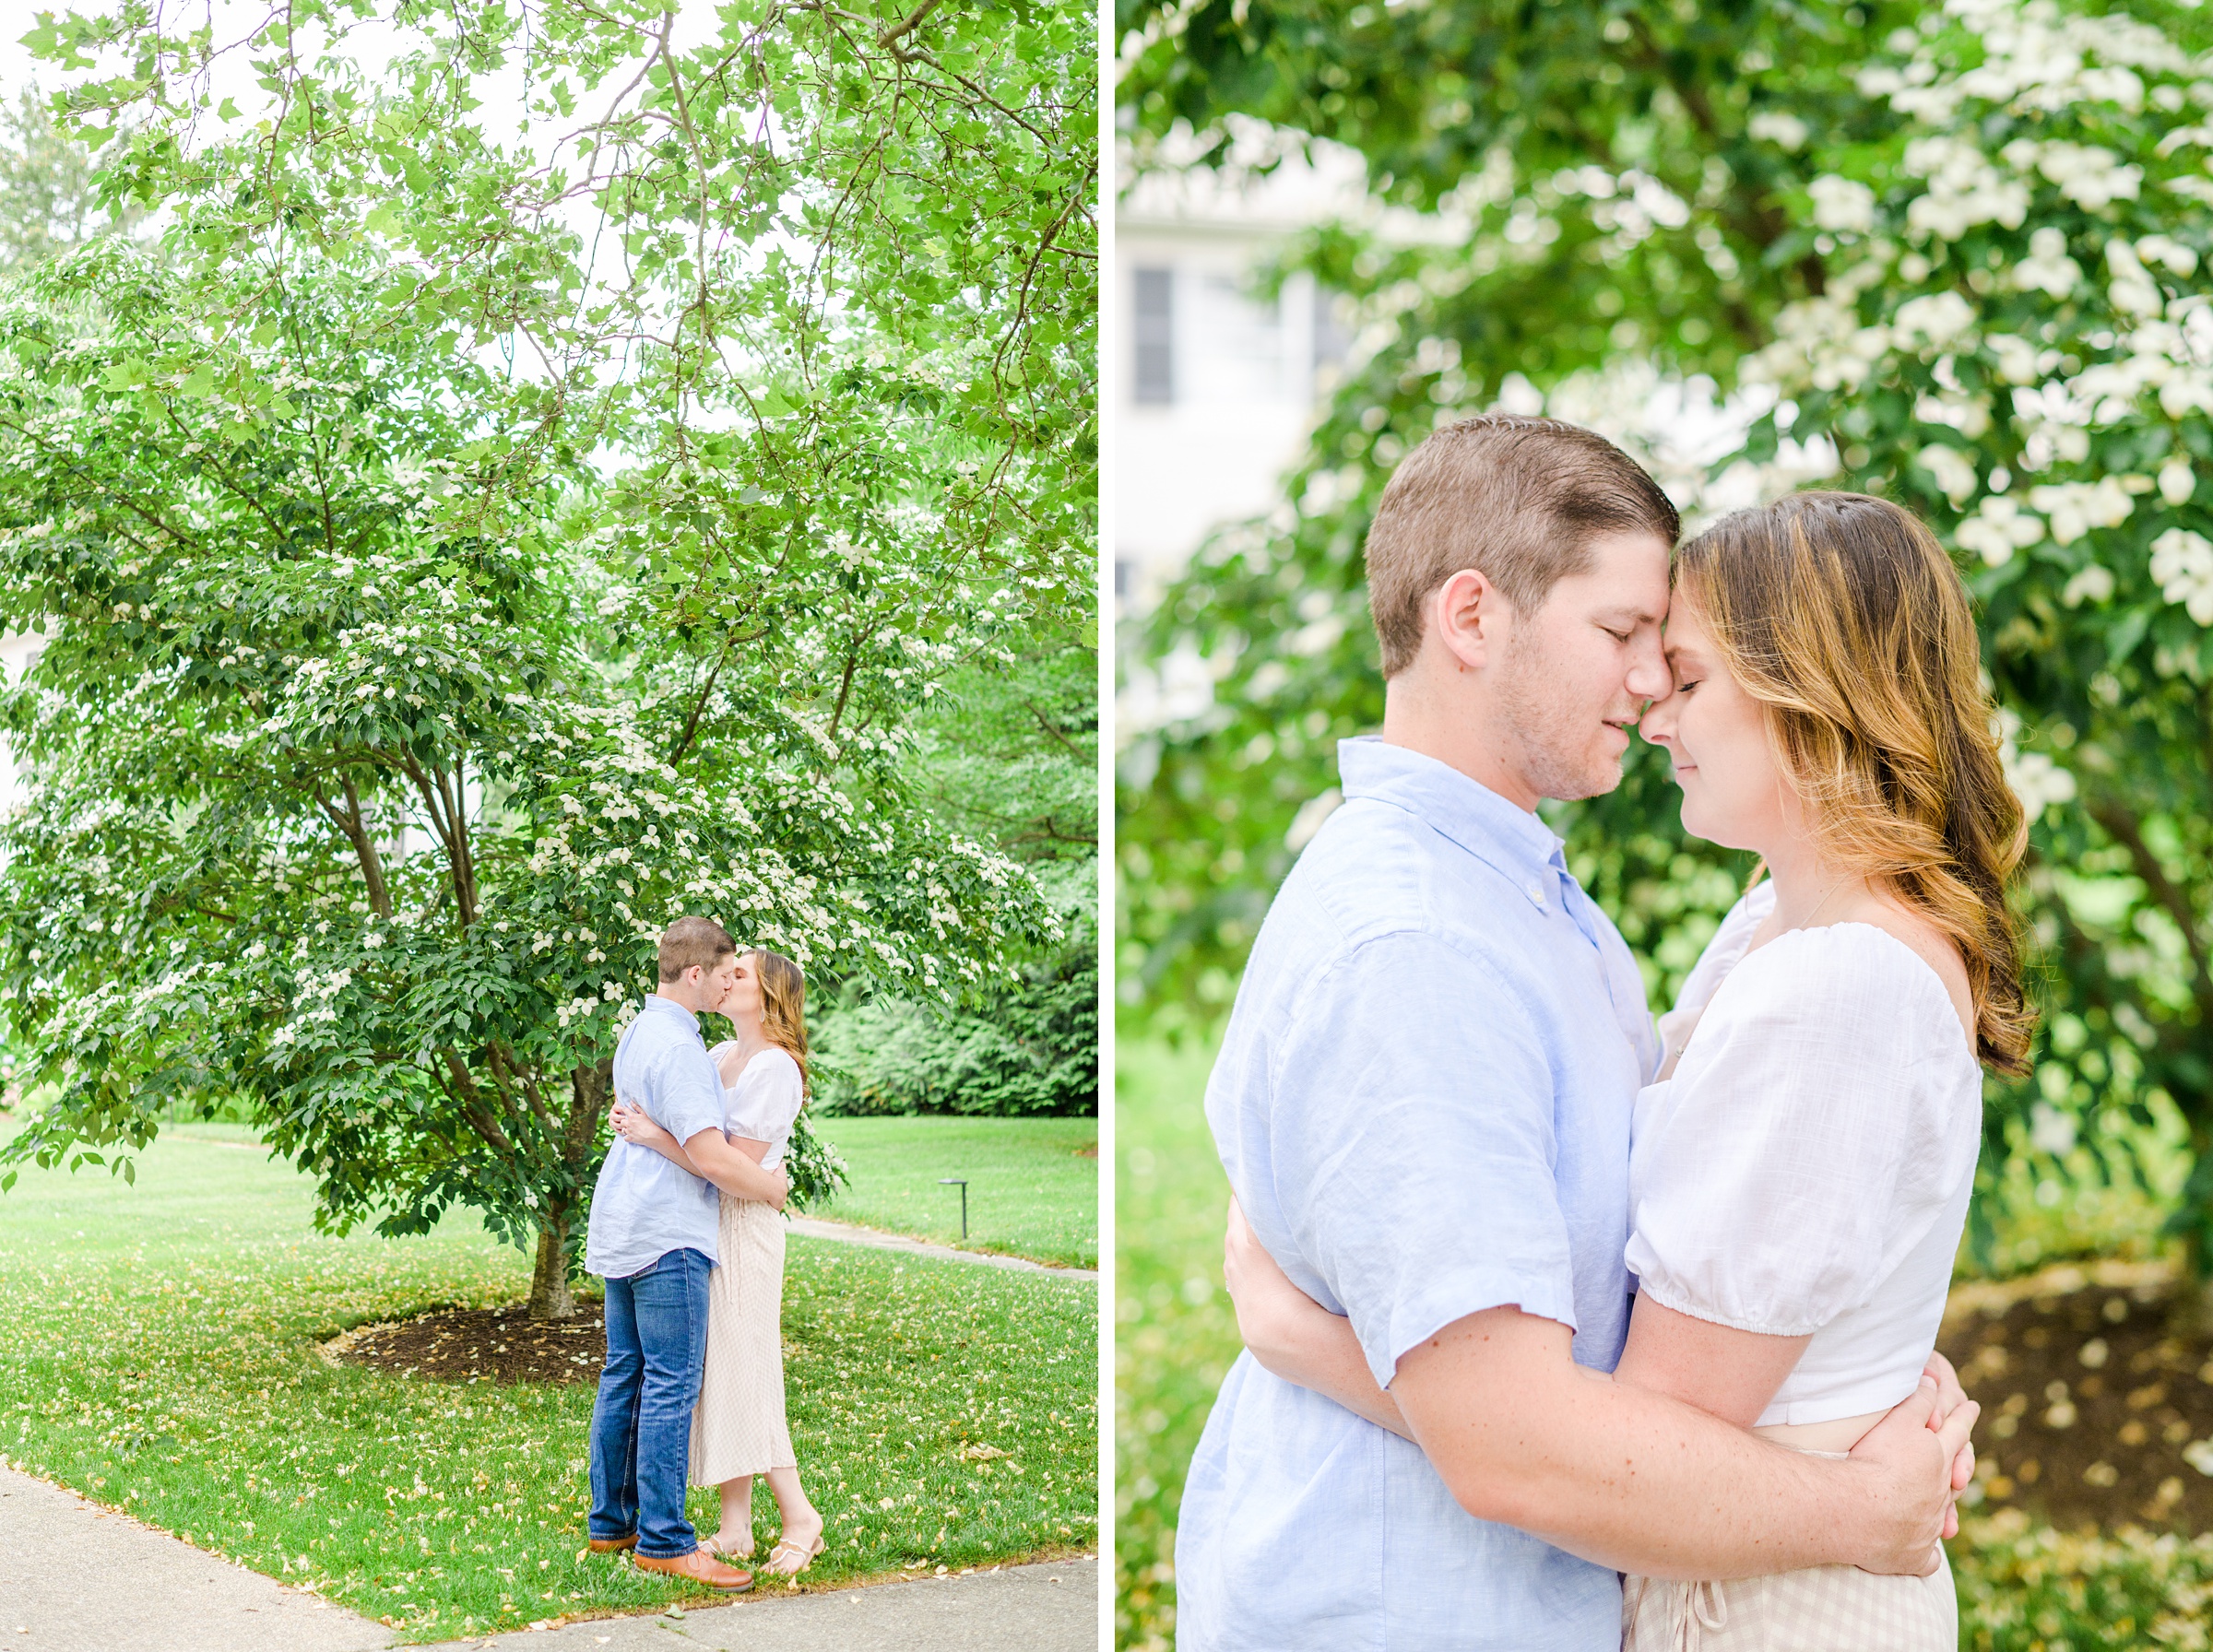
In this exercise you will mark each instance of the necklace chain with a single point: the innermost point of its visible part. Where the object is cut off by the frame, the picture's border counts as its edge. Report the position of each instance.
(1808, 922)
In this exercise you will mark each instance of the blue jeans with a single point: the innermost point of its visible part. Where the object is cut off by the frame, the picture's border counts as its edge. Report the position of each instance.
(657, 1350)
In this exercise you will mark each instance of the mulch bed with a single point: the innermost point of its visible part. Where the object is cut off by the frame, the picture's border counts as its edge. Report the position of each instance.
(495, 1345)
(2096, 1409)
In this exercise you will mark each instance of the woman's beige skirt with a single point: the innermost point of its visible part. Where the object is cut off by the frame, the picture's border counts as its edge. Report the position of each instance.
(739, 1427)
(1822, 1608)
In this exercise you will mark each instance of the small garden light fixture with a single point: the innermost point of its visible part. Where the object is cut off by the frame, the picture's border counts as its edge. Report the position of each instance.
(957, 1182)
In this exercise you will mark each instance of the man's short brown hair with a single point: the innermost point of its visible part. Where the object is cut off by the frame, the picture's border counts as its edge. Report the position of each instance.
(690, 942)
(1518, 500)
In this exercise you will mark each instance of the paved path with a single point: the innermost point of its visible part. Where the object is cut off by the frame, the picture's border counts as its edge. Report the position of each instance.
(76, 1577)
(79, 1578)
(1049, 1607)
(815, 1229)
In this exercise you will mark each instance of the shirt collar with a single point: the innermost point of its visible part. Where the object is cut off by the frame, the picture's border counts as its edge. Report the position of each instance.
(669, 1006)
(1507, 838)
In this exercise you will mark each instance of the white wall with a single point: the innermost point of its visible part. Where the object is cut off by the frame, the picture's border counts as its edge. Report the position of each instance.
(1243, 368)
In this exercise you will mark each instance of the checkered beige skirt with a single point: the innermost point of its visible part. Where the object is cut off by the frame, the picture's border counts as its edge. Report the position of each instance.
(739, 1426)
(1822, 1608)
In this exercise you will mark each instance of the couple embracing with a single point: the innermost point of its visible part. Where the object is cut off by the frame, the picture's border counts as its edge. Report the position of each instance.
(1566, 1330)
(685, 1232)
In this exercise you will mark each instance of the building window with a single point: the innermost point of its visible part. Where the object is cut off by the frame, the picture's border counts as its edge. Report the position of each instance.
(1155, 382)
(1329, 342)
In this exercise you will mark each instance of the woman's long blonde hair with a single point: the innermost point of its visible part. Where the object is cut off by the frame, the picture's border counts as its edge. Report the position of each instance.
(1843, 616)
(783, 1004)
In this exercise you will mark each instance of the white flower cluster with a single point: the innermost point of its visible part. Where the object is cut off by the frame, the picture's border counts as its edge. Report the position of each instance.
(2075, 508)
(2034, 59)
(1997, 529)
(1841, 206)
(1964, 189)
(2182, 564)
(2036, 779)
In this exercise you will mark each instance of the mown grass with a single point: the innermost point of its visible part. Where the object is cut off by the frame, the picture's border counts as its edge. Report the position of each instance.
(2023, 1587)
(1031, 1192)
(157, 1353)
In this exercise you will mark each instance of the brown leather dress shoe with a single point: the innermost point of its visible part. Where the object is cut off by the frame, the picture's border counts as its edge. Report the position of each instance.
(608, 1545)
(699, 1566)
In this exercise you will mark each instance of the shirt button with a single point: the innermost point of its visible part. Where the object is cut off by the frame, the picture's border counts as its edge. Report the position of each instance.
(1536, 893)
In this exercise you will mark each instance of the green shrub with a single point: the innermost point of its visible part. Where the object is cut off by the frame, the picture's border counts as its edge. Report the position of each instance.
(1030, 1050)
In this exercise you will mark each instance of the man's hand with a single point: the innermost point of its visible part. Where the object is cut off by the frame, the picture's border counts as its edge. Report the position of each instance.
(1915, 1454)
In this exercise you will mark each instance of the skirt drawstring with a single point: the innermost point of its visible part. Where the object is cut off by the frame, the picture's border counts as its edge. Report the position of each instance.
(1697, 1619)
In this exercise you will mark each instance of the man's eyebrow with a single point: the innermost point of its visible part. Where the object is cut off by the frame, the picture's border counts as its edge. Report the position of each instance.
(1630, 611)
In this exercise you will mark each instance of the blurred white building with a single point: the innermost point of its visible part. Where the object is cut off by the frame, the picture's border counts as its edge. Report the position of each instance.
(1218, 387)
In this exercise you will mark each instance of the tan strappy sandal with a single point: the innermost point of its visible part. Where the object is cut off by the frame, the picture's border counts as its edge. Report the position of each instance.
(801, 1558)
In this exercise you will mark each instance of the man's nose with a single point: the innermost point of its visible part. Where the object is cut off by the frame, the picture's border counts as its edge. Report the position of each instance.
(1648, 679)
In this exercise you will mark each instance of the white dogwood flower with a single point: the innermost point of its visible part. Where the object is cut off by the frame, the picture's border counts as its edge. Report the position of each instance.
(2182, 564)
(1998, 529)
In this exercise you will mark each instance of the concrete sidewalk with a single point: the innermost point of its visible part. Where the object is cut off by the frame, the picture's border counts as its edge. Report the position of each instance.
(814, 1228)
(1053, 1606)
(81, 1578)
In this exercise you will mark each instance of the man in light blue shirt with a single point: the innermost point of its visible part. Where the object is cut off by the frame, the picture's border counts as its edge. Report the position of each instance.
(1423, 1103)
(653, 1239)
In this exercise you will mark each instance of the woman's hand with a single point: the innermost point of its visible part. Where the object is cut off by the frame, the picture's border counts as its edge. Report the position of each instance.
(1293, 1336)
(636, 1127)
(1950, 1394)
(783, 1188)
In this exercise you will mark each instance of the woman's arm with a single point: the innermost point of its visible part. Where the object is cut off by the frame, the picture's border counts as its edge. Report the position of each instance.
(1293, 1336)
(1724, 1372)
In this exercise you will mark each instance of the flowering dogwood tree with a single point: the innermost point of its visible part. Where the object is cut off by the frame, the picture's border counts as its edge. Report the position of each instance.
(437, 605)
(1953, 254)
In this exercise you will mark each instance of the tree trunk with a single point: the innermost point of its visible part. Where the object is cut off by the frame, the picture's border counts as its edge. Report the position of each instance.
(551, 1297)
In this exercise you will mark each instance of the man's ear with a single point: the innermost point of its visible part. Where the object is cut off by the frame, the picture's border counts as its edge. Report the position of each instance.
(1469, 617)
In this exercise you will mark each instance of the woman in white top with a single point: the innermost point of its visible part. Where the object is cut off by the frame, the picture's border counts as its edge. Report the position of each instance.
(738, 1429)
(1801, 1166)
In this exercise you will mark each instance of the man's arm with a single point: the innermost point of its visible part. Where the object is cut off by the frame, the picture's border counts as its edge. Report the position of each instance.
(713, 1156)
(1645, 1483)
(1302, 1342)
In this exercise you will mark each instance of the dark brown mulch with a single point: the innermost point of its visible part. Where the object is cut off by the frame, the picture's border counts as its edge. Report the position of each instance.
(2091, 1397)
(497, 1345)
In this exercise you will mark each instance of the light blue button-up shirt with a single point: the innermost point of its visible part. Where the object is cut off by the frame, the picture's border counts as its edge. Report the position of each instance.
(645, 1206)
(1423, 1101)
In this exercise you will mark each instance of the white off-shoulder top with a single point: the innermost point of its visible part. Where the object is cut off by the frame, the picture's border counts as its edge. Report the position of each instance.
(765, 1103)
(1807, 1168)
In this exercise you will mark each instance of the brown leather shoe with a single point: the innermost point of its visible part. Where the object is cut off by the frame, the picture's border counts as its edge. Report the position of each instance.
(700, 1567)
(608, 1545)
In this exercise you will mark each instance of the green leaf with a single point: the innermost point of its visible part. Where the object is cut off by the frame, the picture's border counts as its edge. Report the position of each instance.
(201, 381)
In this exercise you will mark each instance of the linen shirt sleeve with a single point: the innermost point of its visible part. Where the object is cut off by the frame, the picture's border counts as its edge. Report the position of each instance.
(1802, 1150)
(1412, 1146)
(687, 1094)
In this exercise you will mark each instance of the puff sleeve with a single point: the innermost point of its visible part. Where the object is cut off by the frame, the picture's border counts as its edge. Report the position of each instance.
(1810, 1138)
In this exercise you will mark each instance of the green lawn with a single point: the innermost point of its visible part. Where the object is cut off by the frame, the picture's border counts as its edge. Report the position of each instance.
(157, 1353)
(1030, 1191)
(2023, 1587)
